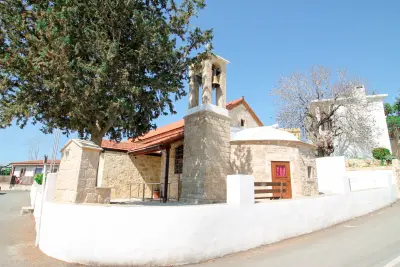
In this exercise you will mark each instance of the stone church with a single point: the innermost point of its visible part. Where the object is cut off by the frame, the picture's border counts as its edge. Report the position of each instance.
(194, 155)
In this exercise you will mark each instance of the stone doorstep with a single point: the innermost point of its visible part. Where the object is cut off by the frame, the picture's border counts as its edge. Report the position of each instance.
(26, 210)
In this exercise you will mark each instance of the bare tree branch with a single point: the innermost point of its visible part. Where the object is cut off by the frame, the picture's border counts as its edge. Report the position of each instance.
(33, 149)
(332, 112)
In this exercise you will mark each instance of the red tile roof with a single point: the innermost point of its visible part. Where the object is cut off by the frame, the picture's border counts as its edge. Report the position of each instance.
(165, 134)
(33, 162)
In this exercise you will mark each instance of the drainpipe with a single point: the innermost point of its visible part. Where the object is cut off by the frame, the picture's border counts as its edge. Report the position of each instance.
(166, 173)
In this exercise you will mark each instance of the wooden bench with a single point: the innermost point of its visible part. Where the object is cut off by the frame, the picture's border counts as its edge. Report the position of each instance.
(280, 190)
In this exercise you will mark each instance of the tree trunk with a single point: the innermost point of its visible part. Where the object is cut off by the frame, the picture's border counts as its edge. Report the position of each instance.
(395, 151)
(96, 138)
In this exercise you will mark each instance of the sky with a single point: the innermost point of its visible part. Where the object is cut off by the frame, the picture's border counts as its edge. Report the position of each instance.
(267, 39)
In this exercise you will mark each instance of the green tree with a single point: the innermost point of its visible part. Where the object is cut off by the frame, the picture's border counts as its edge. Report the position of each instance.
(393, 122)
(388, 109)
(96, 67)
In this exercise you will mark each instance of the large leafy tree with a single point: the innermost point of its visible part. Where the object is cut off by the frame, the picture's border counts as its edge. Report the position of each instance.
(97, 67)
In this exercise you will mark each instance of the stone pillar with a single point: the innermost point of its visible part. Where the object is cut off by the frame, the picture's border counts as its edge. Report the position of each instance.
(193, 90)
(207, 82)
(206, 156)
(77, 175)
(240, 189)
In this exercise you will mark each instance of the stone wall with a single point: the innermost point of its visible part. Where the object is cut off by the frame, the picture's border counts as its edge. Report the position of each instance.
(123, 173)
(254, 158)
(5, 178)
(396, 174)
(68, 174)
(86, 191)
(206, 157)
(76, 178)
(173, 178)
(354, 164)
(308, 171)
(241, 113)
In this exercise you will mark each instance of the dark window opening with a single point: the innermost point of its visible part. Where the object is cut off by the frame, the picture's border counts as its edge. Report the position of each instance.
(178, 159)
(309, 170)
(242, 123)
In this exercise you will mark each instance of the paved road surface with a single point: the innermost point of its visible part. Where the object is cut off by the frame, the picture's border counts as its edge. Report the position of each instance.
(369, 241)
(17, 234)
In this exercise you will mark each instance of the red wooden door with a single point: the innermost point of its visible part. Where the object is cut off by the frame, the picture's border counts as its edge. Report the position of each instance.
(280, 171)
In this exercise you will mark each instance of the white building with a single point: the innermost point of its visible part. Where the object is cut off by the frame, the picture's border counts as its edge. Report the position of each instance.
(349, 148)
(26, 170)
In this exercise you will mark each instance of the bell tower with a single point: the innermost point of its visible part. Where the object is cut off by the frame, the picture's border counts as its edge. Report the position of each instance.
(207, 135)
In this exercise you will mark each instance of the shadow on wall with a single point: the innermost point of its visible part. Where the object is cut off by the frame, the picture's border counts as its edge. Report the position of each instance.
(148, 169)
(355, 146)
(242, 158)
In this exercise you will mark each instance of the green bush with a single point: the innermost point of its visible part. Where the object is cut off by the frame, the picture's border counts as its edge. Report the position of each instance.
(380, 153)
(39, 178)
(389, 158)
(5, 171)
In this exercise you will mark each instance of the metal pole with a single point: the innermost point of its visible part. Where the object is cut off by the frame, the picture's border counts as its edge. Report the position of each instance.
(43, 199)
(166, 173)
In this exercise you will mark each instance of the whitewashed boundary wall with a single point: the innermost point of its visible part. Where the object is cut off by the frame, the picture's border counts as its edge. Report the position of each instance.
(362, 180)
(333, 178)
(131, 235)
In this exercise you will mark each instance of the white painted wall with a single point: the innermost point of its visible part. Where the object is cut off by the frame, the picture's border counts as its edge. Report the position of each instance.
(333, 178)
(33, 193)
(240, 189)
(362, 180)
(30, 170)
(380, 126)
(131, 235)
(331, 173)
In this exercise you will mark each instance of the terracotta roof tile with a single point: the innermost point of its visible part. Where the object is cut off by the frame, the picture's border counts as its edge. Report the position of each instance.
(162, 135)
(108, 144)
(234, 103)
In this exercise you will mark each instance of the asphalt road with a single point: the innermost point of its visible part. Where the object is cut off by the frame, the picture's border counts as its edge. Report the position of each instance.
(17, 234)
(369, 241)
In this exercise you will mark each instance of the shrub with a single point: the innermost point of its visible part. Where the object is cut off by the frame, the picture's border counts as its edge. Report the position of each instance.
(389, 158)
(5, 171)
(380, 153)
(39, 178)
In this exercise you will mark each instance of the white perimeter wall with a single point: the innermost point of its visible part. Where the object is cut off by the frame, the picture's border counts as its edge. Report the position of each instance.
(160, 236)
(362, 180)
(333, 178)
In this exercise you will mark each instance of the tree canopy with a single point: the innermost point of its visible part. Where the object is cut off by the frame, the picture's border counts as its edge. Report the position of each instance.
(97, 67)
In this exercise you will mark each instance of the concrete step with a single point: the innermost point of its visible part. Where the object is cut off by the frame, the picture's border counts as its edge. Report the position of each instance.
(26, 210)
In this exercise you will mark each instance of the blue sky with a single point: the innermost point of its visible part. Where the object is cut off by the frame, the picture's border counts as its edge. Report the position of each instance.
(265, 40)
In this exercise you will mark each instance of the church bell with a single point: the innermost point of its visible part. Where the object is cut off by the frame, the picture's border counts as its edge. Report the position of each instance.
(215, 78)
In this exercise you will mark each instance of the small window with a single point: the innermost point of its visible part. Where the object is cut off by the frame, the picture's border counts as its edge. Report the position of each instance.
(242, 123)
(309, 171)
(38, 170)
(178, 159)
